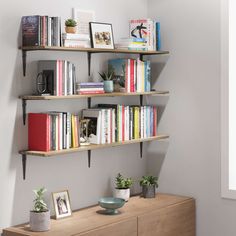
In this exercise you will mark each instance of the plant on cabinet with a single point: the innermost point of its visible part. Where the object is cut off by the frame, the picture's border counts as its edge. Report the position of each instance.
(123, 185)
(40, 215)
(149, 185)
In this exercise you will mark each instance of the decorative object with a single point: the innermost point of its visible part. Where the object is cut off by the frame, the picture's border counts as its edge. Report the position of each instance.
(83, 17)
(108, 82)
(84, 137)
(70, 26)
(149, 185)
(101, 35)
(40, 215)
(61, 202)
(111, 204)
(122, 189)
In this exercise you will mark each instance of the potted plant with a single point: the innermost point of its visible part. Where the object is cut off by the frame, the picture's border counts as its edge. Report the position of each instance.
(122, 189)
(149, 185)
(40, 215)
(70, 26)
(108, 82)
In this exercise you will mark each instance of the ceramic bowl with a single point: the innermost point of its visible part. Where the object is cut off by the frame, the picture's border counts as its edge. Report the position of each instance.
(111, 204)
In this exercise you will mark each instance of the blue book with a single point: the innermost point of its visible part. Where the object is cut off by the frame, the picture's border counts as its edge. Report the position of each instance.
(147, 78)
(158, 36)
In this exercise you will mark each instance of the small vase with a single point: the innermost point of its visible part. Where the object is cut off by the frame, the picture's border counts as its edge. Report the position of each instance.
(39, 221)
(122, 193)
(108, 86)
(149, 191)
(70, 29)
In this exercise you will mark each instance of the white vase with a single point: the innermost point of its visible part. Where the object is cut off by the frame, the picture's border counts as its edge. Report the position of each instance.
(122, 193)
(39, 221)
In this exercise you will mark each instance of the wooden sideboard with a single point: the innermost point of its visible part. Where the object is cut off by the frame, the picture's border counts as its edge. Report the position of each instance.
(165, 215)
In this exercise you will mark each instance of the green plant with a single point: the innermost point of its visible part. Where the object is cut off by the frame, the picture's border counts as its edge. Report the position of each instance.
(107, 75)
(149, 180)
(123, 183)
(39, 204)
(70, 23)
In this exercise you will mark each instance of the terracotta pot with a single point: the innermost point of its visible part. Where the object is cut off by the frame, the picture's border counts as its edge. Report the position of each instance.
(122, 193)
(70, 30)
(39, 221)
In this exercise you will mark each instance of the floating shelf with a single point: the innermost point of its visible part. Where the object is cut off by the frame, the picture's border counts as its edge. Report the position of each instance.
(115, 94)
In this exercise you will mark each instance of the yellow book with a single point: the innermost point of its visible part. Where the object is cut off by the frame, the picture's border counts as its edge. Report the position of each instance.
(136, 122)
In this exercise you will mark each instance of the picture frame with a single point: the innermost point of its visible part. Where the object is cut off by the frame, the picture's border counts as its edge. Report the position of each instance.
(61, 202)
(101, 35)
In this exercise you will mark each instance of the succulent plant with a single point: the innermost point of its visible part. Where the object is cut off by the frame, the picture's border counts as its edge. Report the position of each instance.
(39, 204)
(70, 23)
(149, 180)
(123, 183)
(106, 76)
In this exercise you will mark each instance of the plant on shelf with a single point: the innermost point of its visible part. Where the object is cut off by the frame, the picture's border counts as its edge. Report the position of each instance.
(40, 215)
(70, 26)
(108, 82)
(123, 185)
(149, 184)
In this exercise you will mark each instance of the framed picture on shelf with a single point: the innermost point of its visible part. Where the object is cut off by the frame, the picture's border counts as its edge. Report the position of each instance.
(61, 202)
(101, 35)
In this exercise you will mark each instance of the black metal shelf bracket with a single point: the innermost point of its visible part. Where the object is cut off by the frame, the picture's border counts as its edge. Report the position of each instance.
(141, 150)
(24, 105)
(89, 62)
(89, 102)
(24, 56)
(24, 158)
(89, 158)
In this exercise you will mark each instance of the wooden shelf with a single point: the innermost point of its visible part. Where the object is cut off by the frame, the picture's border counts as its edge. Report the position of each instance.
(115, 94)
(91, 50)
(91, 147)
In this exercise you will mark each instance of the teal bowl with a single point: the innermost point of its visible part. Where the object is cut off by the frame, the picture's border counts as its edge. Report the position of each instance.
(111, 204)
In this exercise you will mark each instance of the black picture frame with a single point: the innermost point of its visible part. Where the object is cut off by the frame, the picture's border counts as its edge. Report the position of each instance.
(101, 35)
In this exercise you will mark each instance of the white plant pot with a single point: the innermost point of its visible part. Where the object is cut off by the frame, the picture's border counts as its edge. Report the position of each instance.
(122, 193)
(39, 221)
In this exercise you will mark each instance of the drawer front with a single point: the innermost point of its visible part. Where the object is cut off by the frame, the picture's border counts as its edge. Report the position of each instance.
(124, 228)
(176, 220)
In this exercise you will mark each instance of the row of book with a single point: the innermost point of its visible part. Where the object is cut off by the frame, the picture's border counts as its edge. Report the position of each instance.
(118, 123)
(131, 75)
(76, 40)
(53, 131)
(41, 31)
(90, 88)
(60, 77)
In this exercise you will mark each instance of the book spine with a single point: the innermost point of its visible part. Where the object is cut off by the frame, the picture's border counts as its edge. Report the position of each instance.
(158, 36)
(91, 92)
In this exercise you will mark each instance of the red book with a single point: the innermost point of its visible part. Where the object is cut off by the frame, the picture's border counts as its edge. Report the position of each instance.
(123, 123)
(39, 132)
(91, 92)
(60, 78)
(131, 75)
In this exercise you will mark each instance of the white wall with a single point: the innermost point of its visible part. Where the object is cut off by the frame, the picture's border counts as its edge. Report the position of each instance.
(68, 171)
(191, 31)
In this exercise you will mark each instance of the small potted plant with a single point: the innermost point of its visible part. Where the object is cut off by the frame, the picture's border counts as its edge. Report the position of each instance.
(108, 82)
(122, 189)
(70, 26)
(40, 215)
(149, 185)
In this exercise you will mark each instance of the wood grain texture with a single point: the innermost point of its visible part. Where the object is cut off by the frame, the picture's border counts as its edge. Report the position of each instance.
(115, 94)
(168, 207)
(92, 147)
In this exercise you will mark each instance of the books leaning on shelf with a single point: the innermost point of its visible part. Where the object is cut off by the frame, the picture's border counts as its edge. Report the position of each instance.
(41, 31)
(76, 40)
(60, 76)
(90, 88)
(119, 123)
(131, 75)
(53, 131)
(146, 29)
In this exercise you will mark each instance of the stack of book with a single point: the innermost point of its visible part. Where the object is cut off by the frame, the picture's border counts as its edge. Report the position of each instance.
(131, 75)
(76, 40)
(41, 31)
(146, 29)
(61, 77)
(90, 88)
(132, 44)
(118, 123)
(53, 131)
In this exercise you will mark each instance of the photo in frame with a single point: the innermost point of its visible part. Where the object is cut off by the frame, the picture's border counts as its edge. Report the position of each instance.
(101, 35)
(61, 202)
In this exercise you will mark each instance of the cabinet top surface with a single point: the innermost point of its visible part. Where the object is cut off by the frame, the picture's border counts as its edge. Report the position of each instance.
(88, 218)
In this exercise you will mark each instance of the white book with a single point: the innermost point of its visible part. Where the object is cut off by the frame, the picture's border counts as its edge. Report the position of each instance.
(120, 123)
(75, 36)
(103, 128)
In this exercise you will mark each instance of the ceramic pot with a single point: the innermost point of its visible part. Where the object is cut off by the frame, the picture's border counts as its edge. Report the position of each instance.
(39, 221)
(70, 30)
(149, 191)
(122, 193)
(108, 86)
